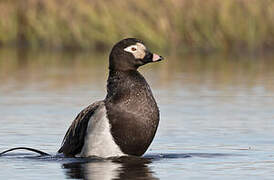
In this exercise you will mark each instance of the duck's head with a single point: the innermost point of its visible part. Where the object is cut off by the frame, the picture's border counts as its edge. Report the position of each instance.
(129, 54)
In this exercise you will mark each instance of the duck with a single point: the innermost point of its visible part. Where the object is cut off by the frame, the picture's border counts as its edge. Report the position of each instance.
(126, 121)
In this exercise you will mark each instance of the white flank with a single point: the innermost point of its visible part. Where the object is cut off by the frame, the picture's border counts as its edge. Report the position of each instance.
(99, 141)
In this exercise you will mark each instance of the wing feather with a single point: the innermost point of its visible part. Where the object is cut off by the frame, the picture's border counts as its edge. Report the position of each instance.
(75, 136)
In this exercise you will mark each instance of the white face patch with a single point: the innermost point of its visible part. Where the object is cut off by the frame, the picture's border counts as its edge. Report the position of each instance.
(138, 50)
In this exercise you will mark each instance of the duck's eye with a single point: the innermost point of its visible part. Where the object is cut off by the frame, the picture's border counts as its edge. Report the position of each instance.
(133, 49)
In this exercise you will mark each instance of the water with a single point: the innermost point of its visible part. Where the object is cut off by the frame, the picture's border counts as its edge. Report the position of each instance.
(217, 116)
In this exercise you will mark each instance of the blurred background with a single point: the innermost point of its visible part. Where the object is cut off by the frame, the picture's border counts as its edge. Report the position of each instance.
(215, 88)
(175, 25)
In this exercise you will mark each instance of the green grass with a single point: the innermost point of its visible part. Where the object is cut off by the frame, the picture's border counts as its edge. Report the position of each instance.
(170, 26)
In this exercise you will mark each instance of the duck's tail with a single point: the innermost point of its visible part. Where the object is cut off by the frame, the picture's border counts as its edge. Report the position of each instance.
(25, 148)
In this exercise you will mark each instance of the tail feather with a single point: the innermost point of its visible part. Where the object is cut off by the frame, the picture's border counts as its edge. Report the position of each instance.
(25, 148)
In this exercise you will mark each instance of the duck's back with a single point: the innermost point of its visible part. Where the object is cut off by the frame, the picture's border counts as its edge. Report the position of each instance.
(132, 111)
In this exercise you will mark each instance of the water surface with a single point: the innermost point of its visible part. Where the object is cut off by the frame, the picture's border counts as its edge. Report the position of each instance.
(217, 116)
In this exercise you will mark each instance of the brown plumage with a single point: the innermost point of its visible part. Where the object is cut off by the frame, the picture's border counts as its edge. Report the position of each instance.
(127, 119)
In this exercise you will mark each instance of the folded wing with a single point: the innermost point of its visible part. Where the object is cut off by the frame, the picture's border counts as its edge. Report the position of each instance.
(75, 136)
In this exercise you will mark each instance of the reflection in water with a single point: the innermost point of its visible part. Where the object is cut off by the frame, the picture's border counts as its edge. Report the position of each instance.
(126, 167)
(121, 168)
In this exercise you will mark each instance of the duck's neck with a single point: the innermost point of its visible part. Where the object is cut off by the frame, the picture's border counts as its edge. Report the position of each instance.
(122, 81)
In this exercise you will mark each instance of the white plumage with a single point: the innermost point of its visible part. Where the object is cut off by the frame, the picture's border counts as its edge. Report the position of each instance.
(99, 141)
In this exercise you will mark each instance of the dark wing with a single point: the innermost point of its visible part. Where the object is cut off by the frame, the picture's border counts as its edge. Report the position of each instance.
(75, 137)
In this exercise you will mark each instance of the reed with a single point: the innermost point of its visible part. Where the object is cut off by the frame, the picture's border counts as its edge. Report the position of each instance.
(178, 25)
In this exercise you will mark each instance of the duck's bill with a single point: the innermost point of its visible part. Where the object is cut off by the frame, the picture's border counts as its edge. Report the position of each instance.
(156, 58)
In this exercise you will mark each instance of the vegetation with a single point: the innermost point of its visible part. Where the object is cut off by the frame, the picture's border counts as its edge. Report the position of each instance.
(177, 25)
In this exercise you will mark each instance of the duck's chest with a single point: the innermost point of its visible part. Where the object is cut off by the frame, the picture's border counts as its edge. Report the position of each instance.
(132, 111)
(133, 103)
(134, 117)
(139, 100)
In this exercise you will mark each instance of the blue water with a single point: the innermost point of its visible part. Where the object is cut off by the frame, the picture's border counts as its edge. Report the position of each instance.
(217, 117)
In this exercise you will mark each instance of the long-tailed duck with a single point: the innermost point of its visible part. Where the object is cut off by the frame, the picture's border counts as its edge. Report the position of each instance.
(125, 122)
